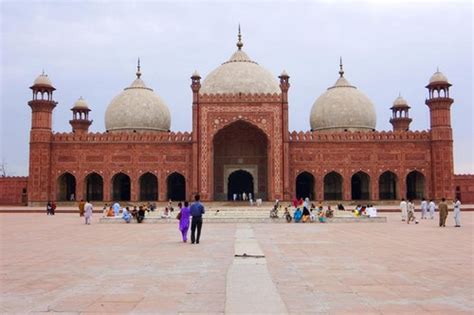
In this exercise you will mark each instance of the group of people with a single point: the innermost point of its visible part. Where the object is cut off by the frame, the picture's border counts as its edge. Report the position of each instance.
(243, 196)
(369, 210)
(408, 211)
(50, 208)
(303, 212)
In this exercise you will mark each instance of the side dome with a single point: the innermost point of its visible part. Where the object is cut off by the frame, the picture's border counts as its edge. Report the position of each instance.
(137, 108)
(240, 75)
(81, 104)
(343, 108)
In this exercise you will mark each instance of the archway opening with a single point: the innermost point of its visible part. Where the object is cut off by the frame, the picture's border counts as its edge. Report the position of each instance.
(176, 187)
(360, 186)
(148, 187)
(415, 185)
(66, 187)
(240, 182)
(333, 186)
(121, 187)
(305, 186)
(94, 187)
(240, 145)
(388, 182)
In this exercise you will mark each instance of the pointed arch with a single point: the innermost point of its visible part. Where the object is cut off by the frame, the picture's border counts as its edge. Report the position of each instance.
(176, 184)
(388, 186)
(94, 187)
(360, 186)
(121, 187)
(415, 185)
(305, 185)
(148, 184)
(66, 184)
(333, 186)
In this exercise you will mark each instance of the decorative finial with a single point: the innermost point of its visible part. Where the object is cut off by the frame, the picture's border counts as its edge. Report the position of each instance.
(42, 72)
(437, 68)
(239, 42)
(139, 74)
(399, 94)
(341, 70)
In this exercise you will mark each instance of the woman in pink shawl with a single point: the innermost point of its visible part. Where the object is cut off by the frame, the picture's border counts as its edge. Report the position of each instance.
(184, 221)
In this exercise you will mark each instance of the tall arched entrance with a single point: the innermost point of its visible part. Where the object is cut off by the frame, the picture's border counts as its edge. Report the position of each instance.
(305, 186)
(240, 182)
(121, 187)
(240, 146)
(388, 186)
(360, 186)
(94, 187)
(148, 187)
(176, 187)
(66, 187)
(333, 186)
(415, 185)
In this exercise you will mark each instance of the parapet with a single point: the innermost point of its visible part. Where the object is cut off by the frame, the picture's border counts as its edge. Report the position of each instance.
(117, 137)
(311, 136)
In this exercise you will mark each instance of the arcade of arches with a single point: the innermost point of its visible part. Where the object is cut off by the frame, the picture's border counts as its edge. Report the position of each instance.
(241, 180)
(243, 148)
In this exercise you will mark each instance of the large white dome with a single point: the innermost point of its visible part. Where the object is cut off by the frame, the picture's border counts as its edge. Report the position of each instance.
(137, 108)
(240, 75)
(343, 108)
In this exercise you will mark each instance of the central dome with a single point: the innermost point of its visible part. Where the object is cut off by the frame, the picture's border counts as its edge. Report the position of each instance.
(240, 75)
(137, 108)
(343, 108)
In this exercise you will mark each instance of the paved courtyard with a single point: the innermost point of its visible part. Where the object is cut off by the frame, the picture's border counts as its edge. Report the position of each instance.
(58, 264)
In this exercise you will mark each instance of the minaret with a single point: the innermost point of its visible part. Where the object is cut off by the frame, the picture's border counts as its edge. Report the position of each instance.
(400, 118)
(285, 86)
(195, 87)
(439, 103)
(42, 105)
(80, 117)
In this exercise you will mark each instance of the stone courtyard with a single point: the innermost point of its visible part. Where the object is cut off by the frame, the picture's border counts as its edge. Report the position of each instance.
(58, 264)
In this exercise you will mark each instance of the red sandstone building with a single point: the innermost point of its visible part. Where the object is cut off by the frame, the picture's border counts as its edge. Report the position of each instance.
(240, 142)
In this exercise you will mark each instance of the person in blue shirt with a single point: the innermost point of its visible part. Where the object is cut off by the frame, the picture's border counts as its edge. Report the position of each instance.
(297, 215)
(196, 210)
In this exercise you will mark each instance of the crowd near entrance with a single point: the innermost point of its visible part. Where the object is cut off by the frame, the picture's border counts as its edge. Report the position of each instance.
(240, 182)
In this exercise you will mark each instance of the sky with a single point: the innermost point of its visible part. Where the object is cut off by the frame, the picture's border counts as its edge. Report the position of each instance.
(90, 49)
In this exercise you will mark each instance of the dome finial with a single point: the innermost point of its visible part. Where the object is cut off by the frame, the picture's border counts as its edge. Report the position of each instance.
(341, 70)
(139, 74)
(437, 68)
(239, 42)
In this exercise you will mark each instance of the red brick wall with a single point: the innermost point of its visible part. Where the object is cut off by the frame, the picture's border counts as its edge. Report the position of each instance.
(464, 187)
(13, 190)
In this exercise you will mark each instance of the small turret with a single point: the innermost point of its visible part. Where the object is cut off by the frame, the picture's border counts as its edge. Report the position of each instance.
(400, 115)
(80, 116)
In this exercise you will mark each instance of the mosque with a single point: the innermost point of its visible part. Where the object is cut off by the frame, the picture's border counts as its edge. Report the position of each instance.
(240, 142)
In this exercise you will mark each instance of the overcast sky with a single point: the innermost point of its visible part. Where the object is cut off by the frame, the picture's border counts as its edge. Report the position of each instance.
(90, 49)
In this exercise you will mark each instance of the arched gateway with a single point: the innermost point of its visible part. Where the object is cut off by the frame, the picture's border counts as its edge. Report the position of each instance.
(240, 161)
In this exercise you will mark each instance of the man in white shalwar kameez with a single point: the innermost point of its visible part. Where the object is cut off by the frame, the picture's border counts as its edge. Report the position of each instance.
(424, 209)
(404, 209)
(432, 207)
(88, 212)
(457, 213)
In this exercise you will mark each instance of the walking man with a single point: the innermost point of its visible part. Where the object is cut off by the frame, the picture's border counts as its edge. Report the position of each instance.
(404, 209)
(443, 212)
(197, 210)
(432, 207)
(81, 207)
(88, 212)
(457, 213)
(424, 209)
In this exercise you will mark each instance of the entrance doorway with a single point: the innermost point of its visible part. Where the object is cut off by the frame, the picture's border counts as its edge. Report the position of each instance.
(238, 145)
(240, 182)
(305, 186)
(176, 187)
(360, 186)
(94, 187)
(121, 187)
(66, 187)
